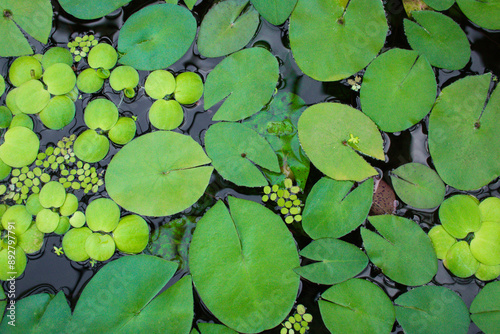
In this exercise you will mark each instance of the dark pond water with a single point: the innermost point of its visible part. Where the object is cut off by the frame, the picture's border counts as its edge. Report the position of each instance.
(47, 272)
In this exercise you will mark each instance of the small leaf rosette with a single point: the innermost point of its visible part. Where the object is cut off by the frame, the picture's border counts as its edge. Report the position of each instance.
(468, 241)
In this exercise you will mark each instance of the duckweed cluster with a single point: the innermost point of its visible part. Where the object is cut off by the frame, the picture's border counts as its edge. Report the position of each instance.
(81, 45)
(289, 205)
(297, 323)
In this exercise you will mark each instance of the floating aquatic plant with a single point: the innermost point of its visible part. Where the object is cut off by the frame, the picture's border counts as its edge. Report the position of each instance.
(81, 46)
(289, 205)
(298, 322)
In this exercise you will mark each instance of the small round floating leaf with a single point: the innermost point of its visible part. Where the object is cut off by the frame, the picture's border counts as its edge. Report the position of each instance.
(166, 115)
(131, 235)
(102, 215)
(90, 146)
(47, 220)
(56, 55)
(63, 226)
(485, 308)
(356, 306)
(24, 69)
(159, 84)
(399, 89)
(4, 170)
(324, 129)
(99, 246)
(123, 131)
(31, 97)
(158, 174)
(10, 101)
(19, 265)
(124, 77)
(22, 120)
(441, 241)
(103, 56)
(486, 244)
(77, 219)
(2, 85)
(432, 309)
(73, 243)
(33, 204)
(101, 114)
(58, 113)
(69, 206)
(20, 147)
(275, 11)
(52, 195)
(162, 43)
(227, 27)
(460, 215)
(91, 9)
(31, 241)
(483, 13)
(460, 261)
(418, 185)
(5, 117)
(188, 88)
(439, 39)
(490, 209)
(487, 273)
(89, 81)
(59, 78)
(18, 217)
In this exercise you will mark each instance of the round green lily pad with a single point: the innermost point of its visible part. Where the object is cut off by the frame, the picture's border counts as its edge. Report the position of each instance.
(131, 235)
(88, 81)
(33, 204)
(56, 55)
(490, 209)
(100, 114)
(58, 113)
(78, 219)
(486, 244)
(124, 77)
(63, 226)
(158, 174)
(483, 13)
(102, 215)
(16, 219)
(166, 115)
(103, 56)
(188, 88)
(24, 69)
(460, 215)
(47, 220)
(123, 131)
(59, 78)
(441, 241)
(32, 97)
(6, 271)
(159, 84)
(52, 195)
(69, 206)
(5, 117)
(20, 147)
(90, 146)
(99, 246)
(460, 261)
(73, 243)
(31, 241)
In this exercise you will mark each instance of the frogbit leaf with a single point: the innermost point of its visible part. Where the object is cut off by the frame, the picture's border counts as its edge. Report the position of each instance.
(91, 9)
(246, 79)
(275, 11)
(236, 151)
(485, 308)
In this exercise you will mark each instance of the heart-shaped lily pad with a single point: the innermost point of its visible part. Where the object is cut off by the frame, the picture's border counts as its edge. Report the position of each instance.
(123, 131)
(356, 28)
(357, 306)
(227, 27)
(401, 249)
(24, 69)
(246, 79)
(31, 241)
(59, 78)
(464, 135)
(158, 45)
(333, 208)
(331, 133)
(485, 308)
(399, 89)
(159, 84)
(31, 97)
(274, 11)
(100, 247)
(47, 220)
(52, 195)
(236, 151)
(91, 9)
(483, 13)
(158, 174)
(231, 252)
(20, 147)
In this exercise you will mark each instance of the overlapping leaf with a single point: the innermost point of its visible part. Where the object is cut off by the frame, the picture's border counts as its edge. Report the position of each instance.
(91, 9)
(485, 14)
(275, 11)
(485, 308)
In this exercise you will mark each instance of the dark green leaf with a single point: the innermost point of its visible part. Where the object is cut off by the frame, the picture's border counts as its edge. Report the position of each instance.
(485, 308)
(275, 11)
(485, 14)
(91, 9)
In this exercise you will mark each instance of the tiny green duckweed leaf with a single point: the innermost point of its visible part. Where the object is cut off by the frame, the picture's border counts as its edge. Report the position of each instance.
(159, 84)
(357, 306)
(439, 39)
(246, 80)
(338, 261)
(275, 11)
(333, 208)
(357, 28)
(460, 261)
(483, 13)
(432, 309)
(166, 115)
(131, 235)
(158, 174)
(418, 185)
(231, 252)
(324, 129)
(227, 27)
(399, 89)
(464, 133)
(485, 308)
(58, 113)
(24, 69)
(73, 243)
(101, 114)
(123, 131)
(90, 146)
(91, 9)
(20, 147)
(401, 249)
(236, 151)
(460, 215)
(102, 214)
(161, 44)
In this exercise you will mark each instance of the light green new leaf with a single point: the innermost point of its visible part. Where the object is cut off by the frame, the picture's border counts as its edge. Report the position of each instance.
(338, 261)
(332, 40)
(190, 3)
(485, 14)
(147, 46)
(432, 309)
(440, 5)
(20, 147)
(227, 27)
(401, 249)
(242, 265)
(275, 11)
(333, 208)
(34, 17)
(418, 185)
(91, 9)
(398, 90)
(158, 174)
(246, 79)
(485, 308)
(439, 39)
(357, 306)
(236, 151)
(460, 215)
(324, 133)
(464, 135)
